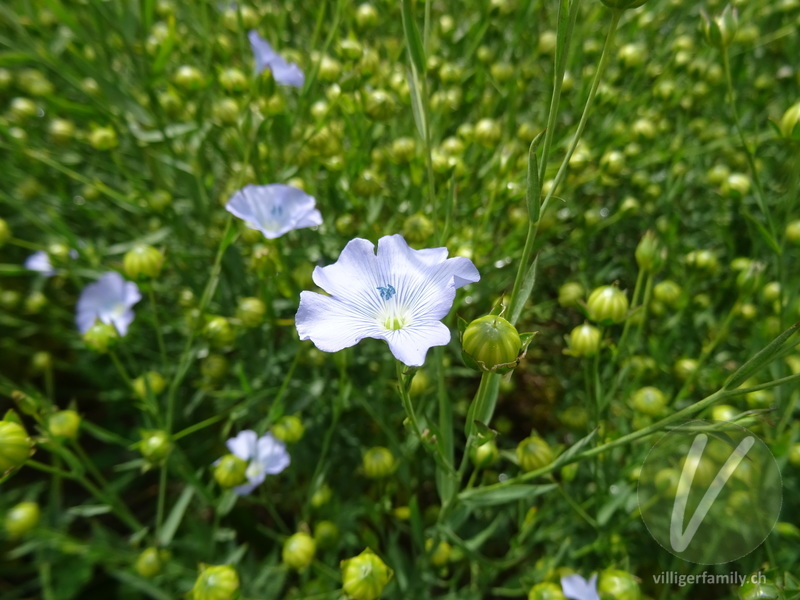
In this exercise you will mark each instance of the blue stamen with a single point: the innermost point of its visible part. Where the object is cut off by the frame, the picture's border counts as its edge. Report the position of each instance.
(276, 211)
(387, 292)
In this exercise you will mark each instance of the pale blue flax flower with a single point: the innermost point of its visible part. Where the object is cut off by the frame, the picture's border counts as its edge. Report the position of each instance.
(40, 261)
(576, 587)
(399, 295)
(109, 299)
(265, 455)
(274, 209)
(283, 72)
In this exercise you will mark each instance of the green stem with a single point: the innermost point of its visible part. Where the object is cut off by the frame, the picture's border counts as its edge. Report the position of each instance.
(533, 228)
(762, 205)
(406, 399)
(159, 337)
(634, 303)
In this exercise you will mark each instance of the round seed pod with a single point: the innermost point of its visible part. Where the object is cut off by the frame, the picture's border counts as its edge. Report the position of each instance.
(21, 519)
(216, 582)
(492, 343)
(15, 445)
(298, 550)
(365, 576)
(534, 453)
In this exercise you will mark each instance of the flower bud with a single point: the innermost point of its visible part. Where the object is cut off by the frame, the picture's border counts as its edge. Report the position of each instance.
(216, 582)
(668, 292)
(794, 455)
(219, 332)
(485, 455)
(534, 453)
(724, 412)
(649, 401)
(650, 255)
(21, 519)
(720, 31)
(618, 585)
(151, 561)
(321, 495)
(570, 294)
(789, 120)
(251, 311)
(757, 587)
(705, 260)
(793, 232)
(41, 361)
(61, 131)
(5, 232)
(152, 381)
(155, 445)
(103, 138)
(22, 109)
(584, 340)
(439, 553)
(64, 423)
(736, 186)
(365, 576)
(488, 133)
(607, 304)
(379, 105)
(15, 445)
(417, 228)
(230, 471)
(233, 80)
(685, 368)
(289, 429)
(188, 78)
(366, 16)
(402, 150)
(100, 337)
(142, 261)
(298, 550)
(546, 591)
(214, 368)
(226, 111)
(492, 343)
(378, 462)
(326, 534)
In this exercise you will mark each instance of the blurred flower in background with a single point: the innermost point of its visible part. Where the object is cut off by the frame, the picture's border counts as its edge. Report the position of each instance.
(110, 300)
(283, 72)
(265, 456)
(274, 209)
(40, 261)
(576, 587)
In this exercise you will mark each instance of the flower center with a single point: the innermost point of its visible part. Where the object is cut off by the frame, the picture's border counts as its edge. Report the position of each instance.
(254, 469)
(387, 291)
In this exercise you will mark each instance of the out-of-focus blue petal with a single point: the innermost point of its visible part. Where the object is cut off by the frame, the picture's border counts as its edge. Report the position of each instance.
(109, 299)
(283, 72)
(40, 261)
(274, 209)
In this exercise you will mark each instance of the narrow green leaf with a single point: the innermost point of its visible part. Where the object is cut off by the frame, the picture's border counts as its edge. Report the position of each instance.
(614, 503)
(89, 510)
(510, 493)
(175, 517)
(524, 291)
(134, 582)
(534, 196)
(417, 108)
(416, 52)
(763, 357)
(565, 456)
(417, 529)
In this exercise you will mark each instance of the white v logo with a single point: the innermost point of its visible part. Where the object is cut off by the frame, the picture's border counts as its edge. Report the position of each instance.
(679, 539)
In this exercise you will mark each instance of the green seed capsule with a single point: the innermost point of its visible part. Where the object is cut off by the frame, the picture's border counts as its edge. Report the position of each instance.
(618, 585)
(649, 401)
(230, 471)
(546, 591)
(64, 423)
(584, 340)
(607, 304)
(365, 576)
(289, 429)
(485, 455)
(216, 582)
(15, 445)
(757, 587)
(151, 381)
(143, 261)
(533, 453)
(326, 534)
(100, 337)
(21, 519)
(492, 342)
(155, 445)
(378, 462)
(151, 561)
(298, 550)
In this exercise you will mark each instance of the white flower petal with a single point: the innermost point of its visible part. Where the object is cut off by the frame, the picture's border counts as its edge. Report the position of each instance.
(410, 344)
(332, 324)
(272, 454)
(40, 261)
(576, 587)
(243, 445)
(245, 488)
